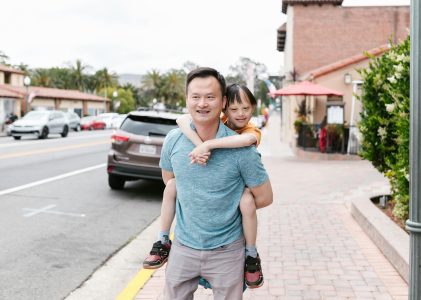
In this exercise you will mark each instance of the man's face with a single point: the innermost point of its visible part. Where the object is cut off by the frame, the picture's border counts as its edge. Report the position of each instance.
(204, 100)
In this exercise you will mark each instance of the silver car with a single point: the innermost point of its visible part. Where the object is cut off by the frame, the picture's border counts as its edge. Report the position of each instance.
(40, 124)
(74, 120)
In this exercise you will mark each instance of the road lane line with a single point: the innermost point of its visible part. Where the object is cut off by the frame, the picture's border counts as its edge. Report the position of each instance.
(137, 283)
(50, 150)
(35, 183)
(34, 212)
(47, 210)
(52, 140)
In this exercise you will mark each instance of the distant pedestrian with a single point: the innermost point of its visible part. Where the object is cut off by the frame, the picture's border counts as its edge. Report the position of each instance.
(208, 236)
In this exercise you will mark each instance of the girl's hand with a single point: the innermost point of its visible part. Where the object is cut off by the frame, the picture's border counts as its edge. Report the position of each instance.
(202, 149)
(200, 159)
(200, 155)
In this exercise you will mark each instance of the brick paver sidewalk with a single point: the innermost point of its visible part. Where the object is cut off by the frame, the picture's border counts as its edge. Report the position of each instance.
(310, 246)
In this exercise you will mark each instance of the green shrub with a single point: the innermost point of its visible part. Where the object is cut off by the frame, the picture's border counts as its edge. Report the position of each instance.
(385, 120)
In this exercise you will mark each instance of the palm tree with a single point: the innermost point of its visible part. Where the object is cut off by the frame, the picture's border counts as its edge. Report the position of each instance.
(41, 77)
(105, 79)
(173, 87)
(152, 84)
(78, 76)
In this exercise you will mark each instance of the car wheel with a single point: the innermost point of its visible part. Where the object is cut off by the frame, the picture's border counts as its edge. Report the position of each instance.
(17, 137)
(44, 133)
(116, 182)
(91, 128)
(77, 128)
(65, 131)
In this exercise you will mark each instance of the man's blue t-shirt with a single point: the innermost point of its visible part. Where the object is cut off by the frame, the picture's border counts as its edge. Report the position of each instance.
(208, 197)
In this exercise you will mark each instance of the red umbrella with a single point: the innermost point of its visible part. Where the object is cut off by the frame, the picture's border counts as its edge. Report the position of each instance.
(305, 88)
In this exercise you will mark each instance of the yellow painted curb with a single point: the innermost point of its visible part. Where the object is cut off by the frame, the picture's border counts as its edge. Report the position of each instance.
(137, 283)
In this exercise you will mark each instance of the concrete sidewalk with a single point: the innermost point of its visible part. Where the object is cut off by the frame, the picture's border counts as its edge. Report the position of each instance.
(311, 247)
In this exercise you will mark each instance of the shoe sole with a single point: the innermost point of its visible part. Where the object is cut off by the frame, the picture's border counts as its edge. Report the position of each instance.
(255, 286)
(149, 267)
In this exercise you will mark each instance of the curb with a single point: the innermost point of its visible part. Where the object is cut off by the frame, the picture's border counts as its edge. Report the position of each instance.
(392, 240)
(111, 279)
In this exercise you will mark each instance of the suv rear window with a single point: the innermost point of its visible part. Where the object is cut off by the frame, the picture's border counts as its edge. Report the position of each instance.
(148, 126)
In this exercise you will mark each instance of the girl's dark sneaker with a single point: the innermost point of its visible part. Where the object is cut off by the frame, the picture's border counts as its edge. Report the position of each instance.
(158, 255)
(253, 272)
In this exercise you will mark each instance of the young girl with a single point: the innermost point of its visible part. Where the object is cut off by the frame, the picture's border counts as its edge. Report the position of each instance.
(239, 109)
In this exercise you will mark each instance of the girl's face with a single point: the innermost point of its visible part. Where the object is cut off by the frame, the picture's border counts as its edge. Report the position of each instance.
(239, 114)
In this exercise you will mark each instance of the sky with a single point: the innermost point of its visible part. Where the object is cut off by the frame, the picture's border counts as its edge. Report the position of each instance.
(136, 36)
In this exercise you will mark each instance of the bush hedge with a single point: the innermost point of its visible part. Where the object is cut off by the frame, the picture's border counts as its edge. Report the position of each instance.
(385, 120)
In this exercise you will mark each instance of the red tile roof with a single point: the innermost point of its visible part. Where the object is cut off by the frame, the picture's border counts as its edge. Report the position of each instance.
(4, 68)
(344, 62)
(9, 94)
(285, 3)
(43, 92)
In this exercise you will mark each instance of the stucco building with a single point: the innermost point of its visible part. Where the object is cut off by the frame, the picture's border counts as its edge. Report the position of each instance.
(17, 98)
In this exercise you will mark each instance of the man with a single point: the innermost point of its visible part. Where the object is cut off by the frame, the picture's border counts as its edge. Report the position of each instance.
(208, 235)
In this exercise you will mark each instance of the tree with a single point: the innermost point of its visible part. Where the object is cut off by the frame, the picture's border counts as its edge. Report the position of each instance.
(190, 66)
(105, 79)
(4, 58)
(173, 87)
(240, 69)
(152, 85)
(41, 77)
(23, 67)
(78, 76)
(123, 103)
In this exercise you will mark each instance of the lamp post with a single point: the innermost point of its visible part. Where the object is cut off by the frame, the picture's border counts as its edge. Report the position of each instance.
(26, 83)
(116, 103)
(413, 225)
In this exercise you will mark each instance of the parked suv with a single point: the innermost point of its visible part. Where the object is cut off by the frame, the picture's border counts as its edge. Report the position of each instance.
(136, 147)
(40, 123)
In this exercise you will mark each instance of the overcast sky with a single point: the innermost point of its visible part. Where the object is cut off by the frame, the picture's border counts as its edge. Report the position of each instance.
(136, 36)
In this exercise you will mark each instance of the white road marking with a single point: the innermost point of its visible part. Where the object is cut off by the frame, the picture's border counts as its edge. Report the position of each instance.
(36, 142)
(46, 209)
(40, 182)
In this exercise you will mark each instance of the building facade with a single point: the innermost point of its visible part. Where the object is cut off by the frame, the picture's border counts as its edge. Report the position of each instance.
(325, 42)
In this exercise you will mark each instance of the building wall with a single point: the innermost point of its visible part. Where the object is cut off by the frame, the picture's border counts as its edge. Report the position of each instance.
(335, 80)
(70, 104)
(1, 77)
(325, 34)
(40, 103)
(17, 79)
(289, 42)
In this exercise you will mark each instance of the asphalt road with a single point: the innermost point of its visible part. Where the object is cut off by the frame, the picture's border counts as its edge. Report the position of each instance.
(59, 221)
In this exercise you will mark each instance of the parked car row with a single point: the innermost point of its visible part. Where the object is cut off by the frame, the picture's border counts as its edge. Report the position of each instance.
(41, 123)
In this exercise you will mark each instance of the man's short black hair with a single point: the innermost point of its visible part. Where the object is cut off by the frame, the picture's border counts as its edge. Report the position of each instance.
(204, 72)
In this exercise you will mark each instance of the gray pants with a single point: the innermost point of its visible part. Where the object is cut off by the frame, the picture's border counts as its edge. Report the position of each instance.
(223, 267)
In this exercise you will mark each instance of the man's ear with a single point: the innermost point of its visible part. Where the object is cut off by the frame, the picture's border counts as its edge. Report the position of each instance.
(224, 102)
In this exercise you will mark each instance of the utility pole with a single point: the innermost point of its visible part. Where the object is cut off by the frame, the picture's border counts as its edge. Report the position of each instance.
(413, 225)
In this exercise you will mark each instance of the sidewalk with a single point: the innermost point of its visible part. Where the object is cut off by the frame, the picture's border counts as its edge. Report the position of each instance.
(311, 247)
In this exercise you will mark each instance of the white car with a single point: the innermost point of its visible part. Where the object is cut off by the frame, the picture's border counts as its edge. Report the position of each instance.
(40, 124)
(116, 121)
(107, 118)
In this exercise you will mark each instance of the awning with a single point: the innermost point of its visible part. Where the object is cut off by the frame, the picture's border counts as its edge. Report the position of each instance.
(305, 88)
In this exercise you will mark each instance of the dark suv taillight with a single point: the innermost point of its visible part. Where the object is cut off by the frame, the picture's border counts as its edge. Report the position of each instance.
(119, 139)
